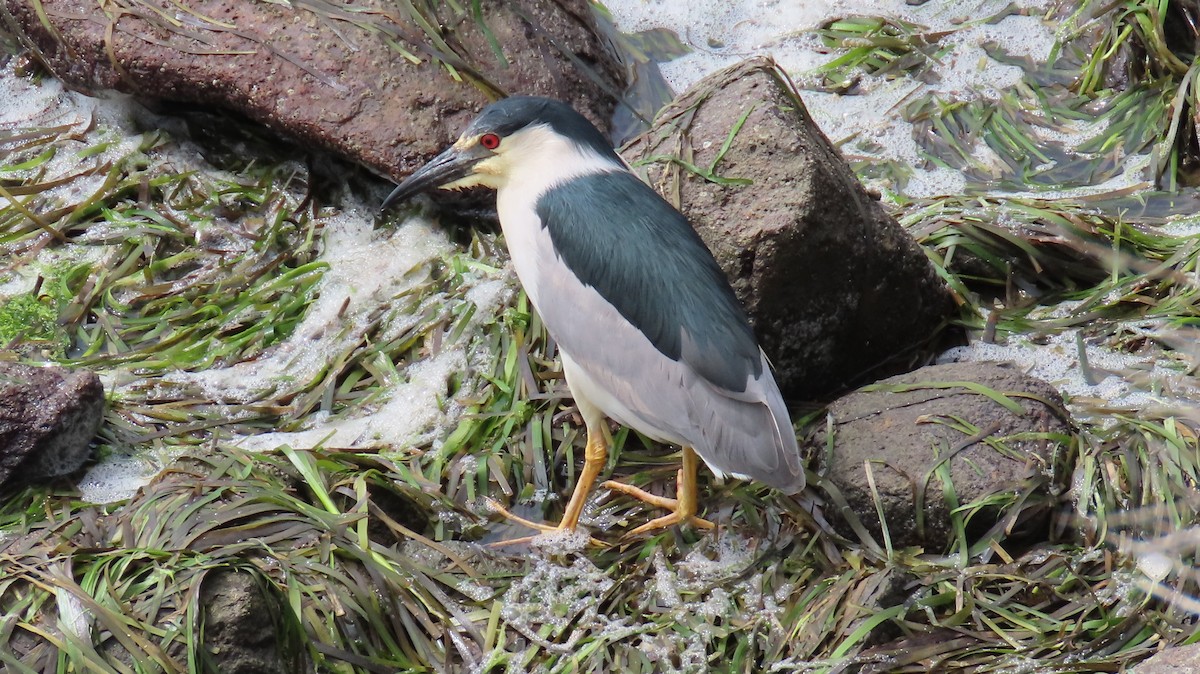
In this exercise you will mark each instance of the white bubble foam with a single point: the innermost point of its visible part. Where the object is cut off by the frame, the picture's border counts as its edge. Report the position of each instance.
(411, 415)
(116, 477)
(555, 604)
(26, 102)
(102, 126)
(1184, 225)
(870, 122)
(490, 295)
(1155, 565)
(722, 32)
(1113, 378)
(367, 267)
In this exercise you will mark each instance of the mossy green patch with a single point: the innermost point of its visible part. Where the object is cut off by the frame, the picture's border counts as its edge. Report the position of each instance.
(31, 323)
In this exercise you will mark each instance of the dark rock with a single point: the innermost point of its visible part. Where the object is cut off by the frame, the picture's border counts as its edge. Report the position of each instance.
(838, 292)
(241, 627)
(48, 416)
(1172, 660)
(328, 76)
(912, 427)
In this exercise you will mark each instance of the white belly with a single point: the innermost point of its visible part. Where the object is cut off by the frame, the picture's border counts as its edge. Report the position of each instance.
(577, 315)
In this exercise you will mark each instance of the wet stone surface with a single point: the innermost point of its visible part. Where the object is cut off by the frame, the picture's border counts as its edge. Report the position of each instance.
(838, 292)
(1173, 660)
(324, 74)
(48, 417)
(240, 635)
(945, 421)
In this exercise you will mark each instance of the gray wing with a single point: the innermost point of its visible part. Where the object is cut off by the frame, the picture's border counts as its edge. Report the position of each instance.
(656, 339)
(621, 238)
(746, 434)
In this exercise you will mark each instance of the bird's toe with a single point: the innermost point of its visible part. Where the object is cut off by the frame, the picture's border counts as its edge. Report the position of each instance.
(641, 495)
(563, 527)
(670, 521)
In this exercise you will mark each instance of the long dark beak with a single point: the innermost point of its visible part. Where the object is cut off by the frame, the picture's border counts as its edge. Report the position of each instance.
(452, 164)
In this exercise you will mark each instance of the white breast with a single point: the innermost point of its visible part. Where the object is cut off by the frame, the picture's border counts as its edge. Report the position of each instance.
(539, 160)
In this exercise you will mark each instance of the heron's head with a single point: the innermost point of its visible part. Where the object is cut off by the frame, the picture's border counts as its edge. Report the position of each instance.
(515, 135)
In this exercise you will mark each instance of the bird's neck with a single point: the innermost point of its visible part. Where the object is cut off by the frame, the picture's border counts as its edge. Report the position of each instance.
(546, 159)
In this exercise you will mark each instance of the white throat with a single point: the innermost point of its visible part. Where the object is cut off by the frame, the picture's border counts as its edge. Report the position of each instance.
(537, 161)
(537, 158)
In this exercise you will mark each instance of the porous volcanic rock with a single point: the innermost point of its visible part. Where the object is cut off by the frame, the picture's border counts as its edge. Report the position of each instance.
(330, 74)
(838, 292)
(48, 417)
(958, 420)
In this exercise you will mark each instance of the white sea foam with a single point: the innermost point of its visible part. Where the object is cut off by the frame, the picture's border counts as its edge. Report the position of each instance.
(1111, 379)
(117, 477)
(869, 123)
(81, 123)
(722, 32)
(367, 267)
(369, 272)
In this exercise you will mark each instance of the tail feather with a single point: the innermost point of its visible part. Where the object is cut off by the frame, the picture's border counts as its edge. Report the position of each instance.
(749, 434)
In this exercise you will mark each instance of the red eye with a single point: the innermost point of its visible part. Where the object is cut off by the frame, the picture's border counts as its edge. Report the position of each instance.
(490, 140)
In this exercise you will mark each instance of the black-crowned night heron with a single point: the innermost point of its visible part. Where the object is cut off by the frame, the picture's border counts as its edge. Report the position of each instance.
(650, 332)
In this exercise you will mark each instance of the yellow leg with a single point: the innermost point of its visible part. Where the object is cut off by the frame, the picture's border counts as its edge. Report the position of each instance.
(684, 506)
(594, 457)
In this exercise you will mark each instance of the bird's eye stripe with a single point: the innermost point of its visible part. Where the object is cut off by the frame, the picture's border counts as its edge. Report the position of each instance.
(489, 140)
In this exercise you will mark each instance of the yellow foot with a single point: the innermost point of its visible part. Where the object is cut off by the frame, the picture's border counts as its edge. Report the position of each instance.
(679, 515)
(670, 521)
(563, 527)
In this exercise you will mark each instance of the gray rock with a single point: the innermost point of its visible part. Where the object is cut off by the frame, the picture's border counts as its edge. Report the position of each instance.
(1172, 660)
(912, 428)
(325, 76)
(241, 634)
(48, 417)
(838, 292)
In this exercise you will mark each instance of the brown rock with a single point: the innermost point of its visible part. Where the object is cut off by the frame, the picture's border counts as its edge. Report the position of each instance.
(1172, 660)
(241, 626)
(48, 417)
(912, 428)
(329, 74)
(838, 292)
